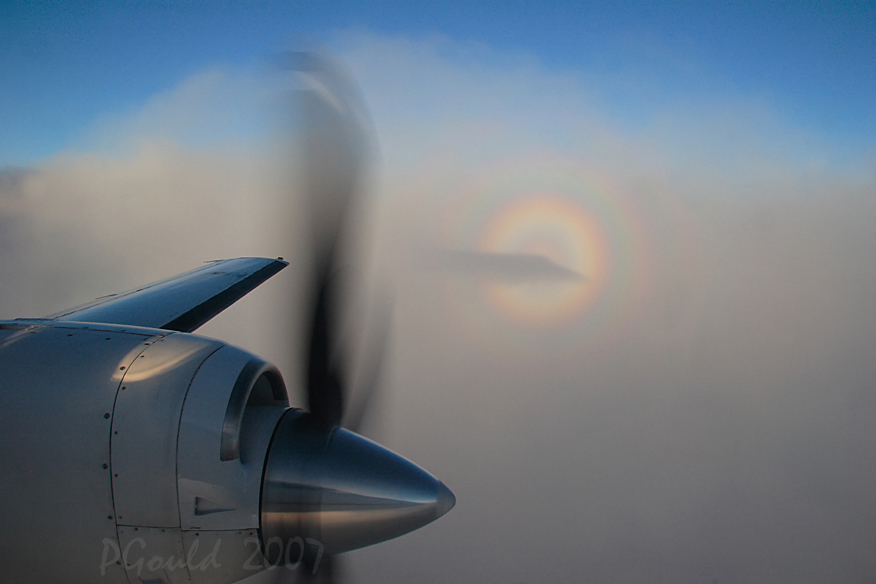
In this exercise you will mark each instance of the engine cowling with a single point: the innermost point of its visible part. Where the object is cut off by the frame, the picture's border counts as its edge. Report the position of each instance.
(142, 455)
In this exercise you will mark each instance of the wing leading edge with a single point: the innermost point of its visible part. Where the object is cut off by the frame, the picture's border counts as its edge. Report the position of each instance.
(183, 302)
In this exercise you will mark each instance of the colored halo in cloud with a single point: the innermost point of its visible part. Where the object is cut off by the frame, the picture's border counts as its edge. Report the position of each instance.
(553, 226)
(576, 216)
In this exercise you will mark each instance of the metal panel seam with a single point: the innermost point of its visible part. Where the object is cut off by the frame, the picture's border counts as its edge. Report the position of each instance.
(179, 424)
(146, 344)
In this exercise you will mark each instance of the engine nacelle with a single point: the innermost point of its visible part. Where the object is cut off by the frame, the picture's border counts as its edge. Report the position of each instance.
(139, 455)
(225, 403)
(131, 454)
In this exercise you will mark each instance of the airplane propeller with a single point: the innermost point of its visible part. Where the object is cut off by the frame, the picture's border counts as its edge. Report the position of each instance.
(335, 141)
(332, 170)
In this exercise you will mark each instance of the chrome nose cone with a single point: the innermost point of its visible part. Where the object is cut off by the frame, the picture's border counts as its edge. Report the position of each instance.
(445, 501)
(341, 489)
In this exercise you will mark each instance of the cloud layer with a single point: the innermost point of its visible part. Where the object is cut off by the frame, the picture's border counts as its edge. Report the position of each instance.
(705, 416)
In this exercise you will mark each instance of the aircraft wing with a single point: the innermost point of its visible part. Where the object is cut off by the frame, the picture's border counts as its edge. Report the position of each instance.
(183, 302)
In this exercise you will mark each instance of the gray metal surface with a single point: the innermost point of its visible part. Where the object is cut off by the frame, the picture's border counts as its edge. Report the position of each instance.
(153, 555)
(171, 556)
(58, 386)
(62, 401)
(237, 556)
(339, 491)
(145, 427)
(258, 384)
(183, 302)
(224, 494)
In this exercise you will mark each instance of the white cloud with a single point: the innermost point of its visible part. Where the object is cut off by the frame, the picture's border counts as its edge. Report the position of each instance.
(715, 428)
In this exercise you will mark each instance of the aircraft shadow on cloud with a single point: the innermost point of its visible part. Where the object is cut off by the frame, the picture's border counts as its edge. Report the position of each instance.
(502, 267)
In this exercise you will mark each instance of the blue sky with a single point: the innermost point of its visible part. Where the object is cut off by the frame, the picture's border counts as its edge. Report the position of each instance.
(65, 64)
